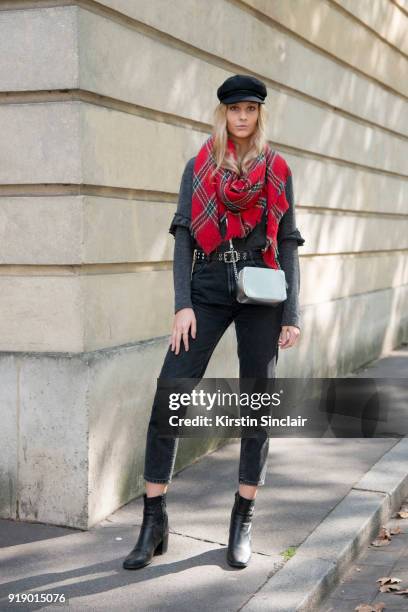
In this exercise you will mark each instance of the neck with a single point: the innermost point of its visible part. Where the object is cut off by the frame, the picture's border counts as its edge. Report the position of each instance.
(241, 145)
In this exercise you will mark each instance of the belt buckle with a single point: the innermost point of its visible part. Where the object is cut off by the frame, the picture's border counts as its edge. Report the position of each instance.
(234, 253)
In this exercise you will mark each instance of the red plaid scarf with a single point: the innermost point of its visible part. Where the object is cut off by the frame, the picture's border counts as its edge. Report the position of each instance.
(237, 203)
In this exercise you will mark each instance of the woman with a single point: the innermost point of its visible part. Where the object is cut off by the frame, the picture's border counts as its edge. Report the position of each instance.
(236, 187)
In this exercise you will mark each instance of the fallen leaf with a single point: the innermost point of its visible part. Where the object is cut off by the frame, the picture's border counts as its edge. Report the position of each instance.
(404, 592)
(395, 530)
(388, 579)
(369, 608)
(403, 511)
(383, 539)
(389, 588)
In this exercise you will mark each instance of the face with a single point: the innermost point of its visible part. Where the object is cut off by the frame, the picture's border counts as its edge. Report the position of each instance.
(242, 118)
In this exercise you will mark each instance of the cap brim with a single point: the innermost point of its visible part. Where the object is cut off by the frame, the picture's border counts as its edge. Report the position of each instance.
(241, 98)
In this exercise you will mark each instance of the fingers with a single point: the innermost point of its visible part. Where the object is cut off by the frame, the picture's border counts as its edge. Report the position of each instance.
(288, 336)
(194, 328)
(180, 333)
(283, 338)
(178, 341)
(175, 340)
(185, 339)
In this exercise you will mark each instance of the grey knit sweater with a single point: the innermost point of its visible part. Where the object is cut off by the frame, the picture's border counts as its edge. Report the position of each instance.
(289, 238)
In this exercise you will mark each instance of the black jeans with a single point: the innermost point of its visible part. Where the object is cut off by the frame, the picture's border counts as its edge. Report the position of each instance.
(257, 329)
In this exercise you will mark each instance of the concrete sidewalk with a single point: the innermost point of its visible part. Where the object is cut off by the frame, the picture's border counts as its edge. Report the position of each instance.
(360, 585)
(319, 501)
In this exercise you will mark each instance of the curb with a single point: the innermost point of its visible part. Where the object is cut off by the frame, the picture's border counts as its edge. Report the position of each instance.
(323, 558)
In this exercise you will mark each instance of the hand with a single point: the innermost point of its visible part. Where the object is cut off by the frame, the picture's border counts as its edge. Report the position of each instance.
(288, 336)
(183, 319)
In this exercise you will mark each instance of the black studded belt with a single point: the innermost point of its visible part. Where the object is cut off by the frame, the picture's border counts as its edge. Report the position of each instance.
(229, 256)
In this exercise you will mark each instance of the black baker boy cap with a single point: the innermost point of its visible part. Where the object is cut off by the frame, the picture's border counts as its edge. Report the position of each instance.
(242, 87)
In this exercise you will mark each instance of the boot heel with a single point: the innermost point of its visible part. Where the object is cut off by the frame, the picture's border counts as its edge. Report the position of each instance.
(163, 546)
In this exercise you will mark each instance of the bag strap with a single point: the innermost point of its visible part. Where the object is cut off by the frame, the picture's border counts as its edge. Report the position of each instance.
(233, 260)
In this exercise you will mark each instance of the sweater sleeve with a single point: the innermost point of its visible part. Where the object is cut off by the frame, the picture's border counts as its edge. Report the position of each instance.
(182, 264)
(182, 216)
(289, 239)
(183, 246)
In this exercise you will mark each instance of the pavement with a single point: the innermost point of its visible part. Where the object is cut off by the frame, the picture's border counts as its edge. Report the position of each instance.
(323, 502)
(360, 584)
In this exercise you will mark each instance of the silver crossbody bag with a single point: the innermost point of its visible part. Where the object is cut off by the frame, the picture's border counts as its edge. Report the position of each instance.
(259, 285)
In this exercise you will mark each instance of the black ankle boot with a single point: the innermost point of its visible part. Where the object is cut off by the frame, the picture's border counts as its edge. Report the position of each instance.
(154, 533)
(239, 543)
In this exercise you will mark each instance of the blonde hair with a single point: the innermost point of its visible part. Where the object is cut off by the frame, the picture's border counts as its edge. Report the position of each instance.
(220, 134)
